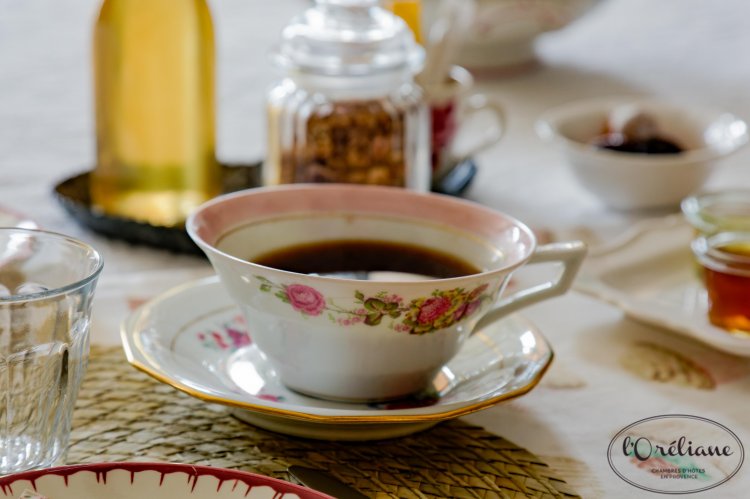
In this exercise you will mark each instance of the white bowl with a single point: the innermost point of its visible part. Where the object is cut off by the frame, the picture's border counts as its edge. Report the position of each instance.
(503, 32)
(625, 180)
(148, 481)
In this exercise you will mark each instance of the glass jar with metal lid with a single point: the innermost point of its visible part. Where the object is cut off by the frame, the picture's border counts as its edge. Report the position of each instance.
(348, 109)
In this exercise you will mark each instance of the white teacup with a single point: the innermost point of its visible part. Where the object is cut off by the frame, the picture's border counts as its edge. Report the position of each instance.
(347, 339)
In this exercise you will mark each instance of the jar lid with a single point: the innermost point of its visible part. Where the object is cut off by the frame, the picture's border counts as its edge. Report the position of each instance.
(721, 211)
(348, 38)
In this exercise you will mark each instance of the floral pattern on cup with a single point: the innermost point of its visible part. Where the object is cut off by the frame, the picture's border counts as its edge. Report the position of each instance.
(441, 309)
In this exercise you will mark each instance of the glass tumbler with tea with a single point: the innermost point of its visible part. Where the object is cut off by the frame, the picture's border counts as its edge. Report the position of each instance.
(154, 87)
(348, 109)
(725, 258)
(47, 283)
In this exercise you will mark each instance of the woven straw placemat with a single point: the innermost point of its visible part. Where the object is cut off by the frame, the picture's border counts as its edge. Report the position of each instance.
(124, 415)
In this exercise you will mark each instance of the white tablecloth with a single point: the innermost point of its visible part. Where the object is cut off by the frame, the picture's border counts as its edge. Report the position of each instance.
(685, 49)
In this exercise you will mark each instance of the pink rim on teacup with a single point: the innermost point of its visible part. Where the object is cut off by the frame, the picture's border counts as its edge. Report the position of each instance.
(226, 213)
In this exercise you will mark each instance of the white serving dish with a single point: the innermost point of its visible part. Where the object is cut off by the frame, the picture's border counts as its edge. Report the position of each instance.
(653, 278)
(503, 33)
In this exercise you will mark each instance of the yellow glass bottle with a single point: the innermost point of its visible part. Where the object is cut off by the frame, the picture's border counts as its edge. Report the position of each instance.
(154, 88)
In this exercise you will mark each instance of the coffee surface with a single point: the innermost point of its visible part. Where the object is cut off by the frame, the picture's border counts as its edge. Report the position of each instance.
(338, 256)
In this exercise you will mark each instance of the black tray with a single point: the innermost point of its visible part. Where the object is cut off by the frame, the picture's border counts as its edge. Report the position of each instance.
(73, 195)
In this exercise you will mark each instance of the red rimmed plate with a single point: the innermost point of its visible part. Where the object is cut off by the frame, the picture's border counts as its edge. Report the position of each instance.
(148, 480)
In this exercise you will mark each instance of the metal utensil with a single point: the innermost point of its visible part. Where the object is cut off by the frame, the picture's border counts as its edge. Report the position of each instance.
(323, 482)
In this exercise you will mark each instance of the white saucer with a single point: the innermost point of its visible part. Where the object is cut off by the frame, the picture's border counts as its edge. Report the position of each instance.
(193, 338)
(653, 277)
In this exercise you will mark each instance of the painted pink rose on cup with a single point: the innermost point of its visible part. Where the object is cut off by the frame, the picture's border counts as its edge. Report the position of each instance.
(433, 308)
(305, 299)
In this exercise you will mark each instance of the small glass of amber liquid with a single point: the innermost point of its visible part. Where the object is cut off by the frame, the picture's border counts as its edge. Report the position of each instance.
(725, 258)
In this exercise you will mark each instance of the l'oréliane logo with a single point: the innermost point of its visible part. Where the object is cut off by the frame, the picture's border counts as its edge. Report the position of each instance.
(676, 454)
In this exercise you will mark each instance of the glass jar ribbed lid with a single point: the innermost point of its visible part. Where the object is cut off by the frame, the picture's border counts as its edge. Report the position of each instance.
(348, 38)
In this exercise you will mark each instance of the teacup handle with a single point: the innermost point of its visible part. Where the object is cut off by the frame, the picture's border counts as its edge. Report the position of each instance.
(570, 254)
(476, 104)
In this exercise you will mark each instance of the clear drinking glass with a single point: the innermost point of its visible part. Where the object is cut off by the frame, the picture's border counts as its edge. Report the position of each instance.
(47, 282)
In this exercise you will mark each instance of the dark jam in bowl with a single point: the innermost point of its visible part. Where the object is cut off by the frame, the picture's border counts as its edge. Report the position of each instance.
(652, 145)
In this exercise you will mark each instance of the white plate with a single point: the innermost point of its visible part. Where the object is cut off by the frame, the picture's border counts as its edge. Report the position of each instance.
(193, 338)
(653, 278)
(148, 481)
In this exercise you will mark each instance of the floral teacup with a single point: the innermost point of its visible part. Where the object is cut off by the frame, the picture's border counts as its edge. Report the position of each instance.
(348, 339)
